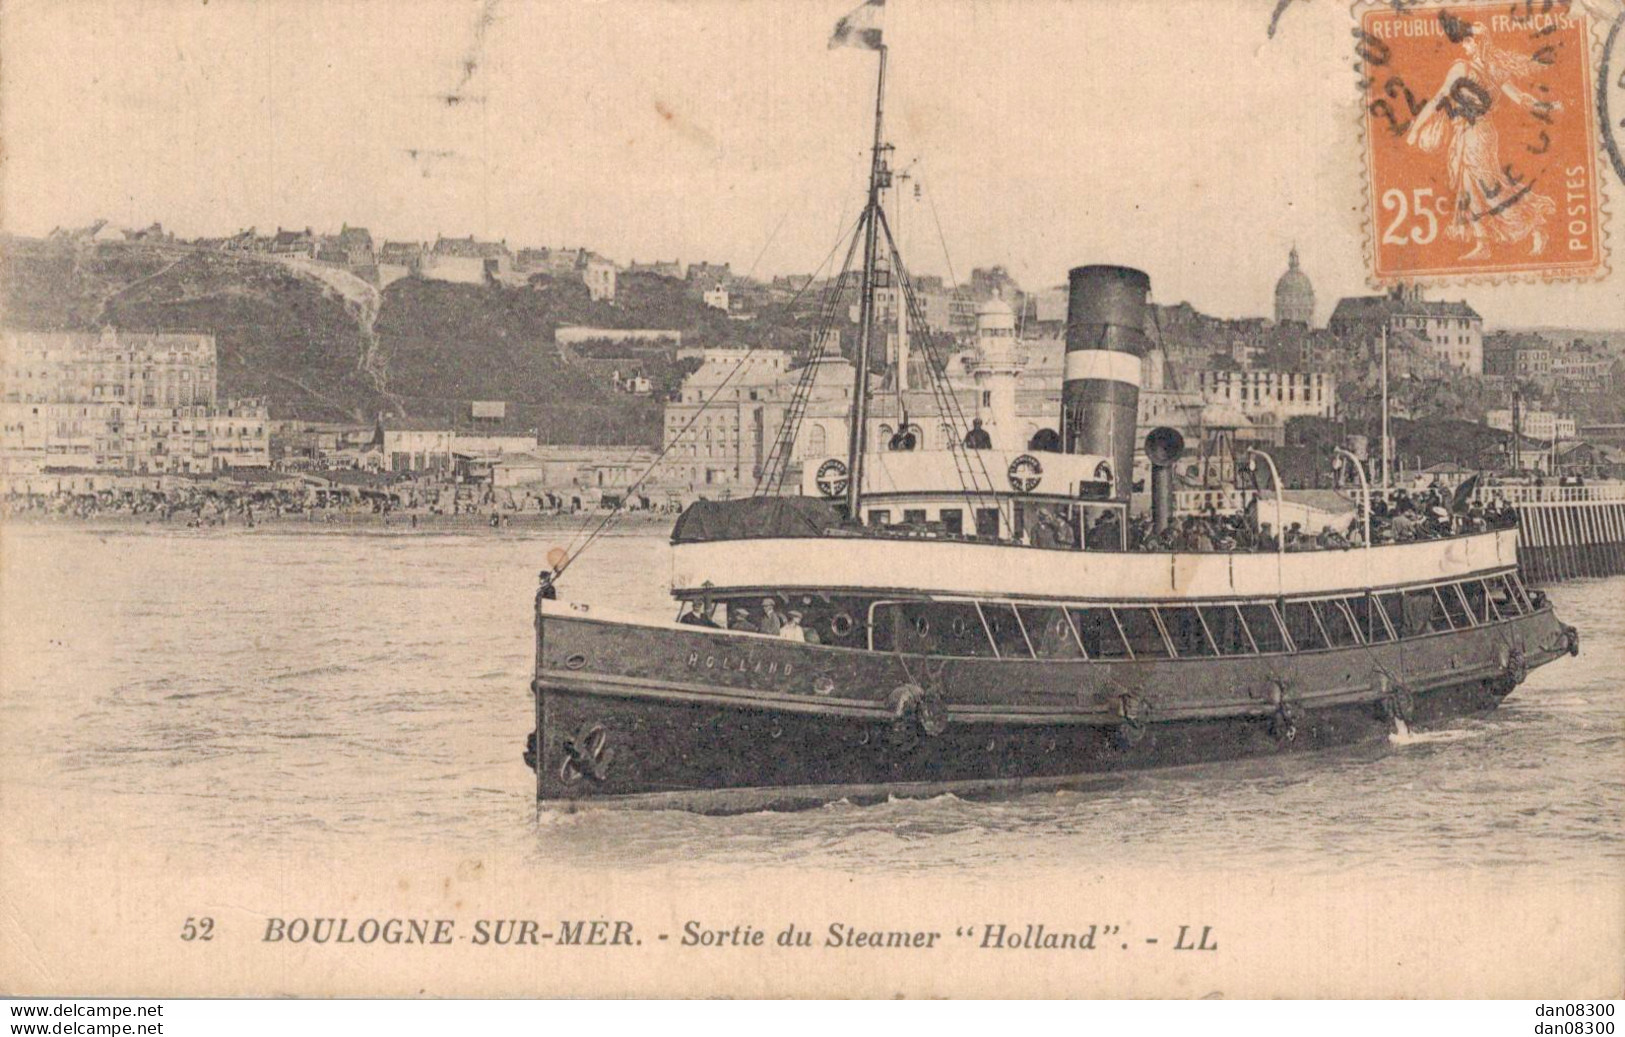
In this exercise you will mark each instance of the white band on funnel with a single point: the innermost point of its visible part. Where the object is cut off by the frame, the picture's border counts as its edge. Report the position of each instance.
(1109, 365)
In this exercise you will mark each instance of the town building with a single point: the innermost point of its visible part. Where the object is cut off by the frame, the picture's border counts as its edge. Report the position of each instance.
(709, 275)
(350, 249)
(716, 297)
(1586, 371)
(411, 446)
(1276, 395)
(300, 243)
(599, 275)
(1453, 331)
(659, 268)
(1534, 424)
(1513, 354)
(239, 435)
(398, 259)
(1294, 294)
(119, 400)
(468, 261)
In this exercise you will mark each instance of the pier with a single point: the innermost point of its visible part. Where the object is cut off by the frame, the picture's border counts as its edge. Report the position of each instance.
(1567, 532)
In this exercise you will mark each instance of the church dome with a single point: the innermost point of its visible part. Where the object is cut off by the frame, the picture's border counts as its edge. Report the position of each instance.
(1294, 295)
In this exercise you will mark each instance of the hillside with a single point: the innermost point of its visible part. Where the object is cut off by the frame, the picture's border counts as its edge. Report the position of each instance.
(316, 350)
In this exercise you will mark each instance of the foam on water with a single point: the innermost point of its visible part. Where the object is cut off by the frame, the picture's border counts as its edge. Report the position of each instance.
(273, 693)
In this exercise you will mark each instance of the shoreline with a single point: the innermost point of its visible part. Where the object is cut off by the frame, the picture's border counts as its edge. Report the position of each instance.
(338, 523)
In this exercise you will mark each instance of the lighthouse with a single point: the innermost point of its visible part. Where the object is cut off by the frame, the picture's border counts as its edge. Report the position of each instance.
(997, 367)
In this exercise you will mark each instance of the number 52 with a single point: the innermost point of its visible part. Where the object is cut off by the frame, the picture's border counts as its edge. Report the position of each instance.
(1394, 200)
(198, 929)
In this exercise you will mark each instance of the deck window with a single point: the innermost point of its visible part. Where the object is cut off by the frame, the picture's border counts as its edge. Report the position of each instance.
(1368, 617)
(1393, 608)
(1100, 634)
(1229, 633)
(913, 516)
(1455, 606)
(1265, 628)
(1503, 598)
(1051, 633)
(1006, 631)
(1187, 632)
(1143, 633)
(930, 628)
(987, 523)
(1424, 613)
(1478, 603)
(953, 521)
(1337, 622)
(879, 517)
(1304, 627)
(1524, 600)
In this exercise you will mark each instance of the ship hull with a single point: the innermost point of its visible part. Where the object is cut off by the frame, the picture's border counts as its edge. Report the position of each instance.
(661, 717)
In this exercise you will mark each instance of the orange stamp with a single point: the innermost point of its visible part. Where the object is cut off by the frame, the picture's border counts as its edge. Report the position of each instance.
(1481, 141)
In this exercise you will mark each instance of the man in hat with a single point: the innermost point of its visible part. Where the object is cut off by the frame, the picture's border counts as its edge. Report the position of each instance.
(791, 629)
(739, 619)
(703, 612)
(771, 620)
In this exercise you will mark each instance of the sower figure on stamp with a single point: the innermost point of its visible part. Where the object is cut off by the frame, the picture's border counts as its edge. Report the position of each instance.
(1491, 204)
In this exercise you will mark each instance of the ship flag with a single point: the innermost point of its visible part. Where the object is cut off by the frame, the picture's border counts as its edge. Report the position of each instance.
(860, 27)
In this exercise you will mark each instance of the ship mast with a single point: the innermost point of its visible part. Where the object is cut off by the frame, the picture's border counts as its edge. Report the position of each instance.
(879, 177)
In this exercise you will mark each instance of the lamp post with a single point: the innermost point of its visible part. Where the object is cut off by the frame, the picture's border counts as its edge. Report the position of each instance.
(1365, 488)
(1280, 533)
(1385, 410)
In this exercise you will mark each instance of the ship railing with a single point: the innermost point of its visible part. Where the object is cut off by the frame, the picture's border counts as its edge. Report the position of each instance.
(1610, 492)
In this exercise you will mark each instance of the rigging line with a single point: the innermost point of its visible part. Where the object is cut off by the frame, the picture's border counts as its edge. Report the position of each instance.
(801, 401)
(770, 239)
(953, 281)
(572, 555)
(778, 457)
(789, 427)
(778, 467)
(947, 399)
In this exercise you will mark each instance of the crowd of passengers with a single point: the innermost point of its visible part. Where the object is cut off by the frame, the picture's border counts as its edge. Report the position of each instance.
(963, 628)
(1399, 518)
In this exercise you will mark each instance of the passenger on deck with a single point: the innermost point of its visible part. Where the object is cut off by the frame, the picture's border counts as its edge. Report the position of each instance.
(977, 438)
(739, 619)
(1105, 535)
(1266, 537)
(792, 630)
(771, 620)
(700, 614)
(1043, 531)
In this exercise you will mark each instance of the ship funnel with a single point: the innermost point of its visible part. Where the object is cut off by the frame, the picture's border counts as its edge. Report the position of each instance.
(1105, 339)
(1163, 446)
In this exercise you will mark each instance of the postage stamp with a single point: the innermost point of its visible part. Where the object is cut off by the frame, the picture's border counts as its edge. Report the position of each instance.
(1481, 148)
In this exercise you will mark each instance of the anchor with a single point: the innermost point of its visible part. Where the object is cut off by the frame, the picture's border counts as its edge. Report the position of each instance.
(587, 754)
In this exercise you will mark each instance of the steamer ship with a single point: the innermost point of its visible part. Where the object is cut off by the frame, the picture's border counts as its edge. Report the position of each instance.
(953, 651)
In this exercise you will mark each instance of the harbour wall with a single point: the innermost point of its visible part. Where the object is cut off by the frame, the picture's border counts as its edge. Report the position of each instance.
(1568, 532)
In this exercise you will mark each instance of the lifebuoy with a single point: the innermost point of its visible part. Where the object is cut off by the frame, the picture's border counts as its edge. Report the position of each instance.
(1131, 728)
(842, 624)
(912, 706)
